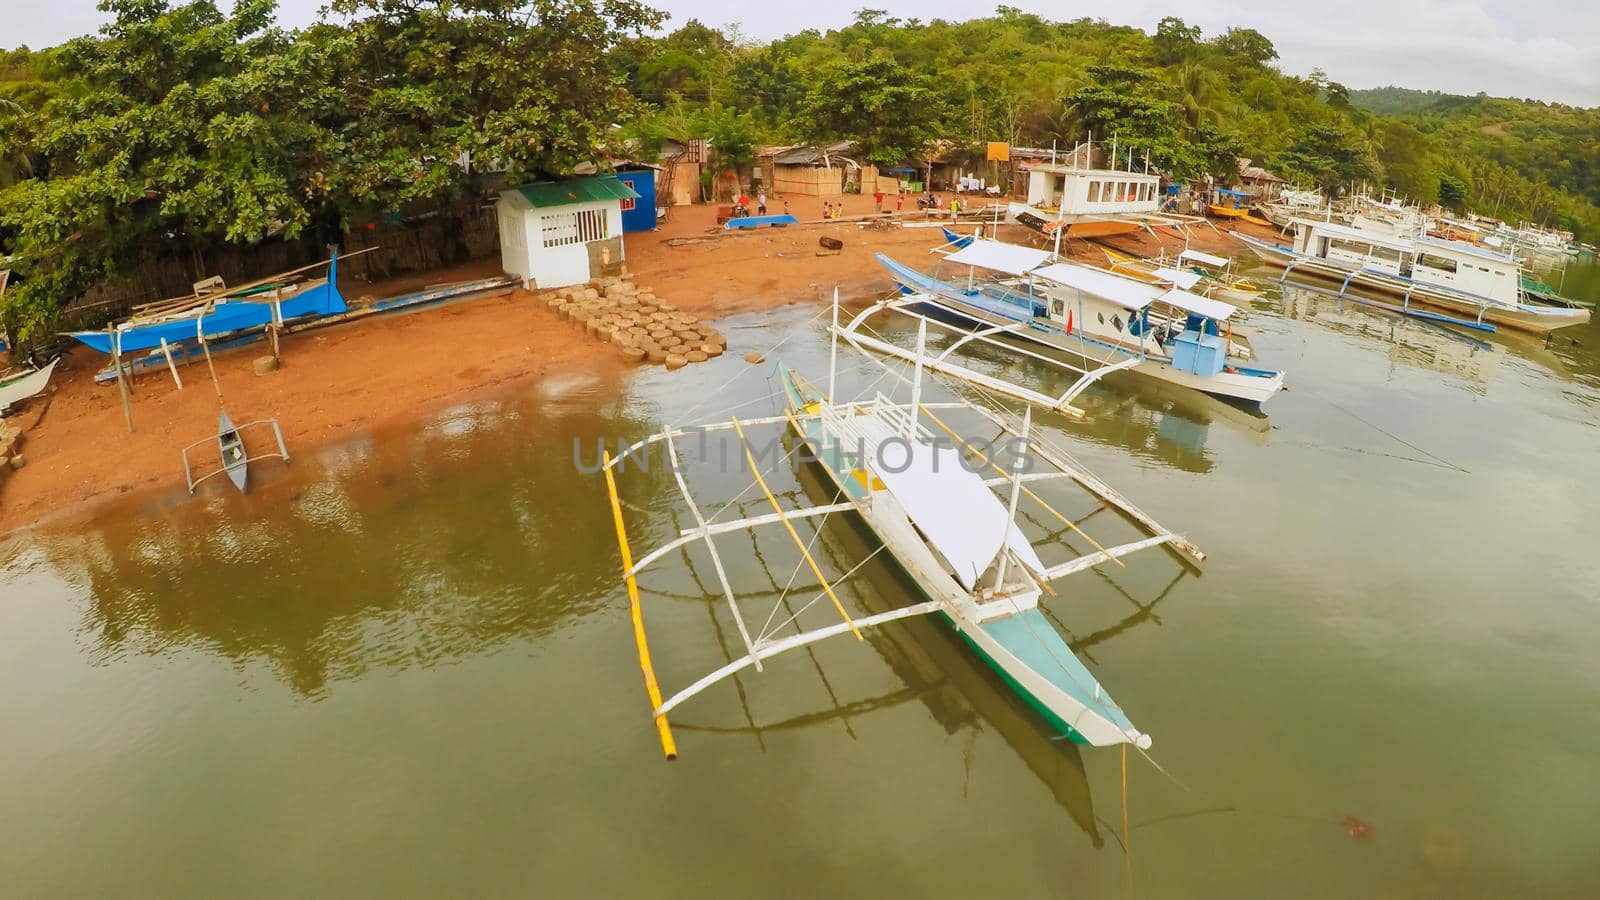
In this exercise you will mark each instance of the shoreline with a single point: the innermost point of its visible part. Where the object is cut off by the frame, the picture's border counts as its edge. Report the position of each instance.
(338, 382)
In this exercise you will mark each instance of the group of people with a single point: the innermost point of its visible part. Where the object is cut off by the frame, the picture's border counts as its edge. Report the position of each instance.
(834, 210)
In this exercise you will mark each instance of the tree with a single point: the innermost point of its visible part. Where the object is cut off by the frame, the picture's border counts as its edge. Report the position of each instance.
(1246, 44)
(1326, 155)
(891, 112)
(1174, 41)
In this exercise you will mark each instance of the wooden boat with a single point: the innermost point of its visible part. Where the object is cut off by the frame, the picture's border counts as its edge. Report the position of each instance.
(14, 388)
(940, 520)
(234, 459)
(1472, 286)
(1213, 275)
(1101, 322)
(230, 448)
(1229, 204)
(206, 316)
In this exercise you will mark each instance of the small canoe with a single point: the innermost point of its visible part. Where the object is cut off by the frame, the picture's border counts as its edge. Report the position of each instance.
(230, 444)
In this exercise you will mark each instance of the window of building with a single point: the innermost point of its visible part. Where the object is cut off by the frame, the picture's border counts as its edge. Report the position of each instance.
(558, 229)
(629, 204)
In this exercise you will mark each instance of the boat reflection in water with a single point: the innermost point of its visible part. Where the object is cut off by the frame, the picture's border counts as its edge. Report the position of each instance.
(929, 661)
(1410, 343)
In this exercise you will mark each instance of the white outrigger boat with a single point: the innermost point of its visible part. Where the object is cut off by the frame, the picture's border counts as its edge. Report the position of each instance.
(1468, 285)
(942, 521)
(1107, 321)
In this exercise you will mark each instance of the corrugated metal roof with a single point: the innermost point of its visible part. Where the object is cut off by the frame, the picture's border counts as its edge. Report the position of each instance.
(811, 155)
(542, 194)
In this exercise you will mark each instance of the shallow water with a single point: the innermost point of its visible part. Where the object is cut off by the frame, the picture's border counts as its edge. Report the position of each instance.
(404, 665)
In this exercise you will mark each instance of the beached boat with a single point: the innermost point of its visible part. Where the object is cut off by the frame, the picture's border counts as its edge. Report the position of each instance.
(1072, 198)
(210, 316)
(19, 386)
(233, 458)
(1105, 321)
(938, 517)
(1475, 286)
(1212, 276)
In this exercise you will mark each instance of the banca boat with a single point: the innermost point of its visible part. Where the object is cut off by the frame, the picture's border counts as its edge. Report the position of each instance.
(1102, 322)
(941, 521)
(1468, 285)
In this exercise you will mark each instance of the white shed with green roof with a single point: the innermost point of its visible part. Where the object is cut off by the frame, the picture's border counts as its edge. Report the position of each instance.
(559, 233)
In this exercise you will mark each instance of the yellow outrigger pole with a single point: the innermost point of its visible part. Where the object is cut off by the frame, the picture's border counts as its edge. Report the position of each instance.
(669, 747)
(815, 570)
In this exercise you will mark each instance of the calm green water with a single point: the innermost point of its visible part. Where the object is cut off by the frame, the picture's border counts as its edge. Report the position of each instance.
(404, 666)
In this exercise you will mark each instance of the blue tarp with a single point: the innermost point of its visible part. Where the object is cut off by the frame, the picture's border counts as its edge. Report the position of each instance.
(761, 221)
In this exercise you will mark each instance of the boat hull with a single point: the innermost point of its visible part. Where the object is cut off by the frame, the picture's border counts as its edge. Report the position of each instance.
(1535, 321)
(994, 641)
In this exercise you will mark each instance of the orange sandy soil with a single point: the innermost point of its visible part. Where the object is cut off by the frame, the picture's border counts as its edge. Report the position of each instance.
(345, 380)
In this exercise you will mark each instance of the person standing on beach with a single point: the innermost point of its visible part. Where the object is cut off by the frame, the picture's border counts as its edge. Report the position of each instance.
(761, 203)
(877, 199)
(900, 201)
(827, 210)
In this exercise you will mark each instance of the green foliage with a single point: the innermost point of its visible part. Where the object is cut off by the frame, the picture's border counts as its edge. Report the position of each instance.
(180, 127)
(1326, 155)
(890, 111)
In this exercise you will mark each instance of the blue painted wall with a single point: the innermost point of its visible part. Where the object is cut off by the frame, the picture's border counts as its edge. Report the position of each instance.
(643, 215)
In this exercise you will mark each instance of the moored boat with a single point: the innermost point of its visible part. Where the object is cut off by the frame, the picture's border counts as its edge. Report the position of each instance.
(941, 520)
(1476, 286)
(1106, 321)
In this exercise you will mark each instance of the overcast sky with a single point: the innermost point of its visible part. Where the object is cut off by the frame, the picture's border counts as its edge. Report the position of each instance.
(1518, 48)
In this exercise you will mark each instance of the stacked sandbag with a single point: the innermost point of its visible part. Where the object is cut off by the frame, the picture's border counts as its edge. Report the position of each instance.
(643, 327)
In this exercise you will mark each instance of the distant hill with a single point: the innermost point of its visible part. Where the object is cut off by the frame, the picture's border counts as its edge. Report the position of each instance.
(1389, 101)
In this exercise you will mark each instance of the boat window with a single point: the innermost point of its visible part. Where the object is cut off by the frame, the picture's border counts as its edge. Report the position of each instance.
(1059, 308)
(1117, 321)
(1102, 317)
(1437, 263)
(1094, 191)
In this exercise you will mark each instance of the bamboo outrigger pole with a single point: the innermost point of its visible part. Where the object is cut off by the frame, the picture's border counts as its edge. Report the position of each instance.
(669, 747)
(762, 483)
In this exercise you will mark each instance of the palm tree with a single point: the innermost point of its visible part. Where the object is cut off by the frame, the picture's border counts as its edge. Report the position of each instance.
(1196, 90)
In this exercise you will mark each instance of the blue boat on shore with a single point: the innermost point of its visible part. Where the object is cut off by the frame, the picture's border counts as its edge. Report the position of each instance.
(226, 313)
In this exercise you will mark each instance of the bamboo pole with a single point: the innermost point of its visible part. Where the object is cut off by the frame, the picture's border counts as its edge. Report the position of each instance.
(669, 747)
(815, 570)
(171, 367)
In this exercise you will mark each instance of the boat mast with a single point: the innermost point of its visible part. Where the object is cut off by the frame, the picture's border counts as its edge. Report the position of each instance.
(833, 345)
(916, 380)
(1016, 491)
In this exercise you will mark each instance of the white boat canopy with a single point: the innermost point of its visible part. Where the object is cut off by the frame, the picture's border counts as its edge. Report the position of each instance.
(1124, 292)
(955, 510)
(1204, 259)
(1178, 277)
(1204, 306)
(999, 256)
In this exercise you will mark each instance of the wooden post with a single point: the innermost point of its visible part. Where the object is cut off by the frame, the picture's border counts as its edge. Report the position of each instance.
(212, 366)
(171, 367)
(122, 386)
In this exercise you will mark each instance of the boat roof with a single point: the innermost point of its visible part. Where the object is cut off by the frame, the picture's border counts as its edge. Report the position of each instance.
(952, 506)
(1011, 259)
(1124, 292)
(1068, 169)
(1204, 306)
(1178, 277)
(1465, 249)
(1333, 229)
(1205, 259)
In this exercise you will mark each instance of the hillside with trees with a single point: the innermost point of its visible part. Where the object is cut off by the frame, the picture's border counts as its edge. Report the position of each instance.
(180, 127)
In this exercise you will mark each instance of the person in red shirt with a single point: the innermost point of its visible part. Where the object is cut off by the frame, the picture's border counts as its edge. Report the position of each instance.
(878, 199)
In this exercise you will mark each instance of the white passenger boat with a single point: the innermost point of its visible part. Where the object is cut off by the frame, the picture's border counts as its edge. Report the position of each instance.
(1476, 286)
(1106, 321)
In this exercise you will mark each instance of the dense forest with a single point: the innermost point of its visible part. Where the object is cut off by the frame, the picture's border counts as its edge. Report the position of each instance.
(180, 126)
